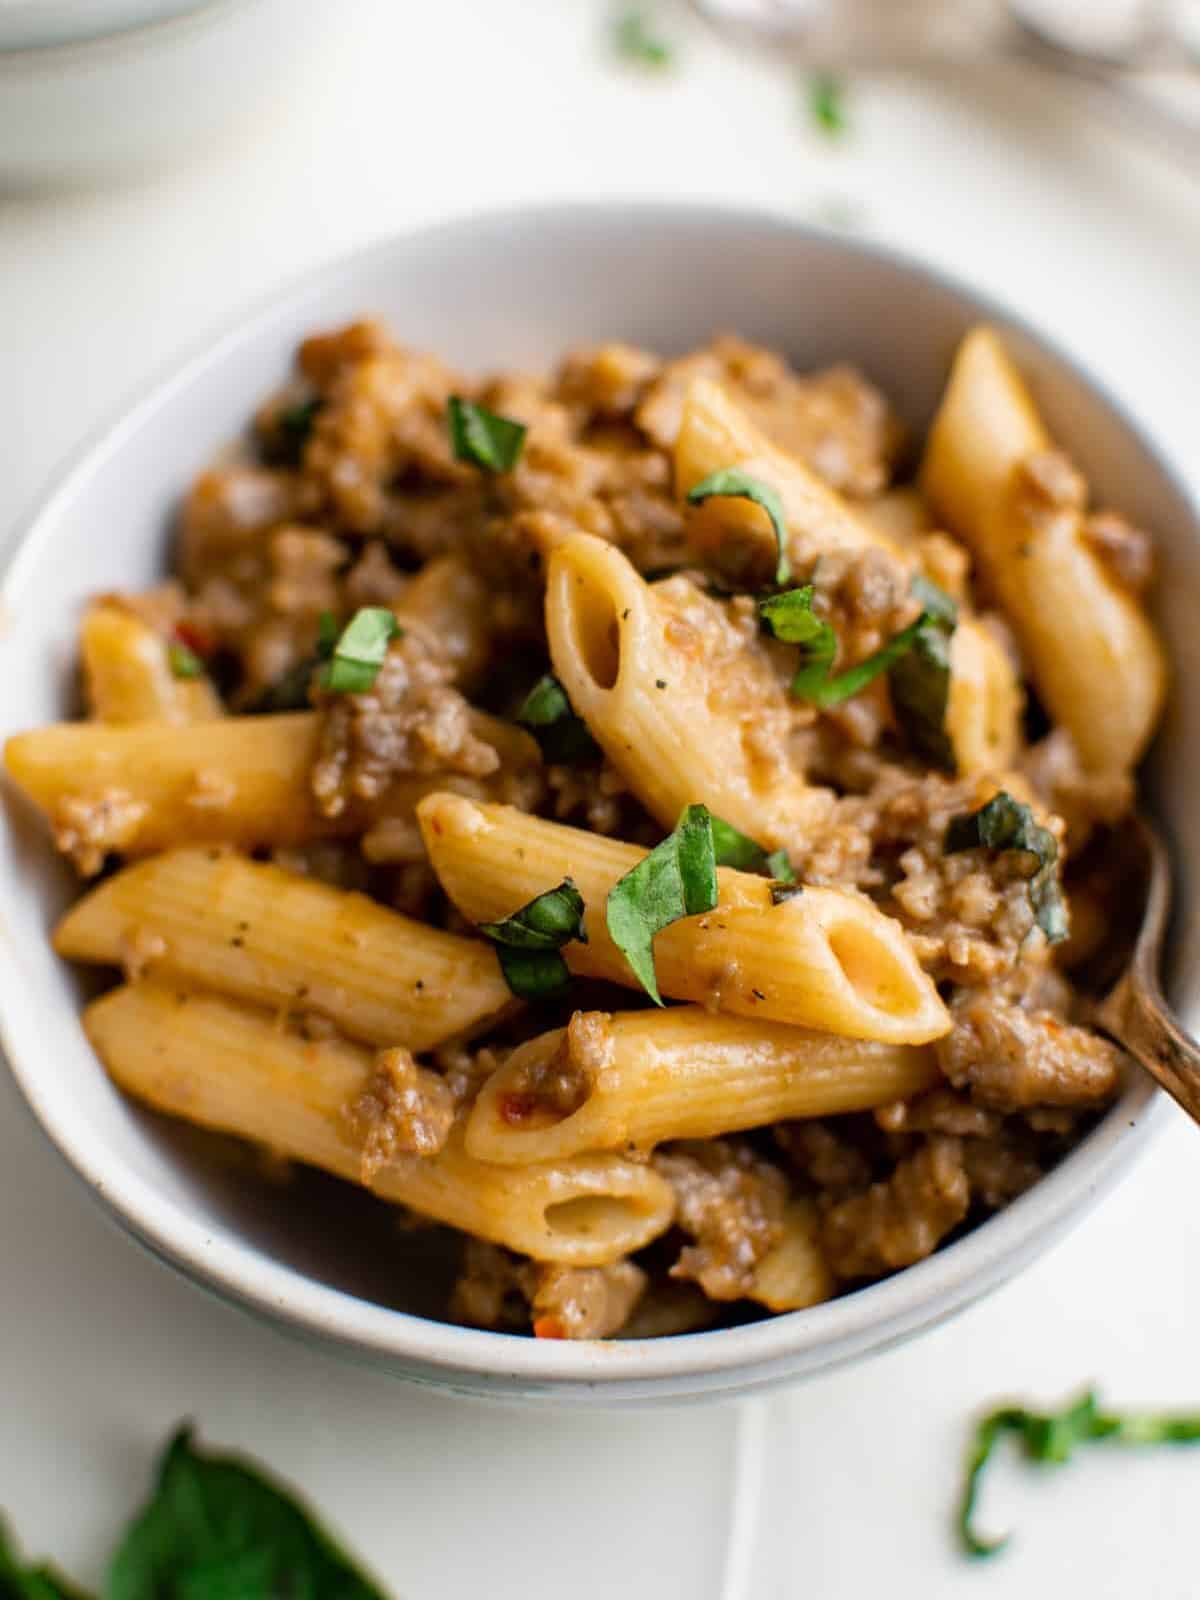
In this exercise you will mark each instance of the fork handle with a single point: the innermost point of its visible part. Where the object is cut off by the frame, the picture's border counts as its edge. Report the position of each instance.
(1136, 1015)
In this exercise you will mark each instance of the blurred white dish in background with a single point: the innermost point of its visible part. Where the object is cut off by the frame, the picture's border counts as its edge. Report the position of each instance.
(34, 24)
(132, 84)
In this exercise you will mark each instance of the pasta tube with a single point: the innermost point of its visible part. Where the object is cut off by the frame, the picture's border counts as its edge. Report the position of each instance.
(674, 695)
(716, 433)
(646, 1076)
(252, 930)
(127, 674)
(985, 701)
(795, 1274)
(1092, 652)
(823, 959)
(226, 1066)
(239, 781)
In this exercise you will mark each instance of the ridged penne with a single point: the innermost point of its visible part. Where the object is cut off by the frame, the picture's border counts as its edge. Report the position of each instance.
(683, 1074)
(127, 674)
(983, 715)
(647, 666)
(825, 958)
(223, 1065)
(240, 781)
(795, 1274)
(1092, 652)
(254, 931)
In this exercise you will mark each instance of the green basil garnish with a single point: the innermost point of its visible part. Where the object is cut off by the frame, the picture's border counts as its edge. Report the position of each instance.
(40, 1582)
(1008, 824)
(215, 1528)
(296, 425)
(730, 483)
(482, 438)
(1051, 1438)
(562, 735)
(635, 40)
(919, 681)
(528, 943)
(184, 663)
(732, 848)
(827, 104)
(677, 879)
(790, 617)
(357, 654)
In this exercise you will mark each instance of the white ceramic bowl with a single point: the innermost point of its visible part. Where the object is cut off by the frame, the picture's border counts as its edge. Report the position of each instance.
(513, 289)
(93, 90)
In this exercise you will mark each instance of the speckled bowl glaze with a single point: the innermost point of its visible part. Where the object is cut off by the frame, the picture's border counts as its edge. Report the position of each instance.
(517, 288)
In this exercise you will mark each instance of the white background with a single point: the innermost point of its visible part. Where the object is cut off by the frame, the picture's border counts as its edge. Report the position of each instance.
(841, 1488)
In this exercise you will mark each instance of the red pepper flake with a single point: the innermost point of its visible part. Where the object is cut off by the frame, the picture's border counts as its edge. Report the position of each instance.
(196, 639)
(548, 1328)
(515, 1108)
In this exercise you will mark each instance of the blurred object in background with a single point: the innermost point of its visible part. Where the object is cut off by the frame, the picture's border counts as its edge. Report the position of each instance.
(94, 88)
(1136, 61)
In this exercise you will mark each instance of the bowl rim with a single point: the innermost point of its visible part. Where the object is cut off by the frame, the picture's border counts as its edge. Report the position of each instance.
(757, 1353)
(34, 49)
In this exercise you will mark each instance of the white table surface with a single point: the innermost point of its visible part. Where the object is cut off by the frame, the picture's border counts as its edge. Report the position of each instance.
(840, 1488)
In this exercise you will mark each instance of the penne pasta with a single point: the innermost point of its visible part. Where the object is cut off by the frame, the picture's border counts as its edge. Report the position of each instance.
(715, 434)
(985, 702)
(823, 959)
(1094, 656)
(127, 674)
(795, 1273)
(240, 781)
(226, 1066)
(645, 666)
(646, 1076)
(254, 931)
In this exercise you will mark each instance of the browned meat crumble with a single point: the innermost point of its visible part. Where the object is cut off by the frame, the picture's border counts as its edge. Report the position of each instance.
(900, 1219)
(731, 1203)
(496, 1289)
(403, 1110)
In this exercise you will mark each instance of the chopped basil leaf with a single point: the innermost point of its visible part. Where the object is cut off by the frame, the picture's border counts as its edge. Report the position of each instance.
(730, 483)
(482, 438)
(677, 879)
(216, 1527)
(42, 1582)
(548, 921)
(533, 974)
(826, 104)
(358, 654)
(935, 601)
(184, 663)
(548, 715)
(327, 635)
(779, 867)
(1008, 824)
(528, 942)
(919, 682)
(732, 848)
(635, 40)
(295, 425)
(916, 660)
(1051, 1438)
